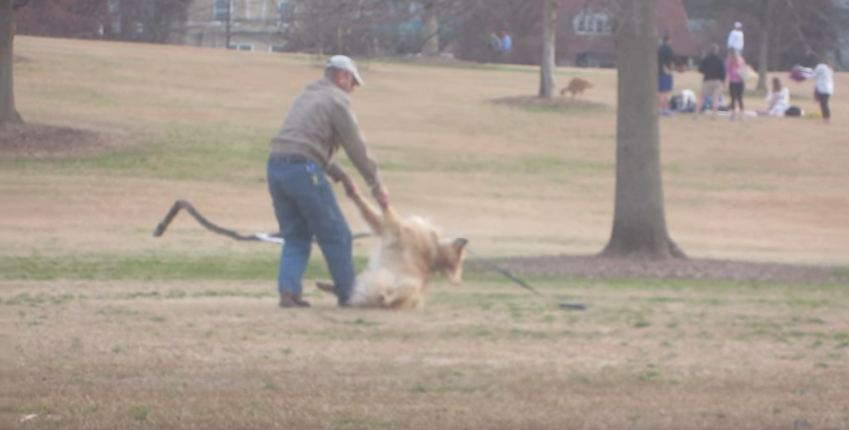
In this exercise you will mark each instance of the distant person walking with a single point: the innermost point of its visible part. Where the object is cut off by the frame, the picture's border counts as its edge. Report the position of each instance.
(713, 79)
(735, 38)
(506, 46)
(823, 74)
(665, 64)
(493, 47)
(736, 69)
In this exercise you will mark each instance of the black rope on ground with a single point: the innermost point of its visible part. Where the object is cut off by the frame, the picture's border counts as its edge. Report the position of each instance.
(182, 204)
(215, 228)
(505, 272)
(575, 306)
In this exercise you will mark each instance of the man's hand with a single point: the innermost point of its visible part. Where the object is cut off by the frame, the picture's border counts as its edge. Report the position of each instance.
(381, 195)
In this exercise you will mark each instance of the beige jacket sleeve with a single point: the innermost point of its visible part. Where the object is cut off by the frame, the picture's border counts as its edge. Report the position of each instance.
(349, 137)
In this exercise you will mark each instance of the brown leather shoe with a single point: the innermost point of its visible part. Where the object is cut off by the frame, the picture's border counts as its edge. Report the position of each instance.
(289, 300)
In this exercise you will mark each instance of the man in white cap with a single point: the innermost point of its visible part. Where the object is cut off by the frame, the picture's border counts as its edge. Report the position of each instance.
(735, 38)
(319, 122)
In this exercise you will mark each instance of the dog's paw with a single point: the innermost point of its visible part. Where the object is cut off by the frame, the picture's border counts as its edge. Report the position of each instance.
(326, 287)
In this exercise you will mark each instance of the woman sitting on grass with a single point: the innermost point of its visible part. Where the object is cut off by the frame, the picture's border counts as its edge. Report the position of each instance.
(777, 99)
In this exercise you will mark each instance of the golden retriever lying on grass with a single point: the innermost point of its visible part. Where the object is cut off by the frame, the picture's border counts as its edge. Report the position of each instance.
(411, 250)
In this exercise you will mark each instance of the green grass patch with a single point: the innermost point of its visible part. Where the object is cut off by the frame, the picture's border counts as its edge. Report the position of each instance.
(61, 95)
(153, 267)
(140, 412)
(842, 273)
(27, 299)
(203, 152)
(477, 272)
(345, 422)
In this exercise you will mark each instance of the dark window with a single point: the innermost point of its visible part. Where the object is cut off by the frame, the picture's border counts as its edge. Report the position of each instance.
(221, 10)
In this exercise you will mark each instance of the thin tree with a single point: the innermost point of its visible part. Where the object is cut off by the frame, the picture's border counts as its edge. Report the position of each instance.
(8, 113)
(767, 8)
(639, 222)
(549, 36)
(430, 28)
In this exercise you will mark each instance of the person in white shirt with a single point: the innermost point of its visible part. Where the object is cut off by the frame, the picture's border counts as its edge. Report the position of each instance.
(735, 38)
(823, 76)
(777, 99)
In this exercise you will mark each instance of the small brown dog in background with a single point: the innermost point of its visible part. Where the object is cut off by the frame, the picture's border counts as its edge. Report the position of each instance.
(576, 86)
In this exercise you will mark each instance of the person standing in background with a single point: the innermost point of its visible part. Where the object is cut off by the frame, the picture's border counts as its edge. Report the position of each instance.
(713, 73)
(493, 46)
(735, 38)
(665, 64)
(735, 70)
(506, 46)
(823, 74)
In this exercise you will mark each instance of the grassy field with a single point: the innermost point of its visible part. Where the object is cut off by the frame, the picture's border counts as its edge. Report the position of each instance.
(104, 326)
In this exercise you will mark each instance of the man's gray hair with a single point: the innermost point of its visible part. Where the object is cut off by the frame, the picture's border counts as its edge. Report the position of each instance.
(330, 72)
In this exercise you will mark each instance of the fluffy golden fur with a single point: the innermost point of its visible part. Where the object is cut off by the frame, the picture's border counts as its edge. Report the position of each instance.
(410, 252)
(576, 86)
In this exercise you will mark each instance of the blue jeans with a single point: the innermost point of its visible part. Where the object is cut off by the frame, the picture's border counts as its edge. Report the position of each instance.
(306, 207)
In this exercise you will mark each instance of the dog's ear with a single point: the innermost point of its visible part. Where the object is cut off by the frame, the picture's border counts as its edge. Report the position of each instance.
(460, 243)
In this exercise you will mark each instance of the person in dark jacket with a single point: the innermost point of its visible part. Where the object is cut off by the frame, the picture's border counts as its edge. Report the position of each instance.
(712, 69)
(665, 64)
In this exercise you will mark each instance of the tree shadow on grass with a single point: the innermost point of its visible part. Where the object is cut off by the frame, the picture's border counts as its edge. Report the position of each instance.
(564, 104)
(40, 140)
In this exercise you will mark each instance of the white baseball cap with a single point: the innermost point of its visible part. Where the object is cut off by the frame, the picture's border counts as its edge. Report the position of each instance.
(343, 62)
(738, 24)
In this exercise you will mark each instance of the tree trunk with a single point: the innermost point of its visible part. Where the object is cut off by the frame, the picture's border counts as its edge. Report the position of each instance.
(227, 24)
(8, 113)
(430, 30)
(763, 53)
(639, 224)
(549, 35)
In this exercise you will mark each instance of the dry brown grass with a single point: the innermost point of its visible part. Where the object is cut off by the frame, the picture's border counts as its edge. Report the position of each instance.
(107, 355)
(219, 355)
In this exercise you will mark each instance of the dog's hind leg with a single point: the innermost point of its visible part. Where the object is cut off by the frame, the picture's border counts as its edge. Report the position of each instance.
(403, 294)
(326, 287)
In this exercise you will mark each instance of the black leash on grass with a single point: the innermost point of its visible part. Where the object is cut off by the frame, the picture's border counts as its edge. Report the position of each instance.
(509, 275)
(573, 306)
(277, 238)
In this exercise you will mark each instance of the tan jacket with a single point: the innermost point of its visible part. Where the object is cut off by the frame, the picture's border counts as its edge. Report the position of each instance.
(318, 123)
